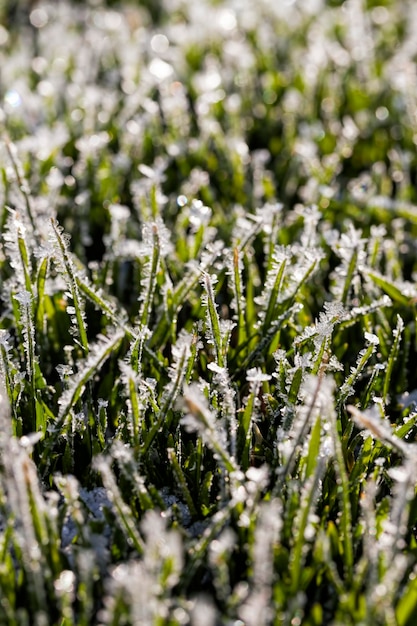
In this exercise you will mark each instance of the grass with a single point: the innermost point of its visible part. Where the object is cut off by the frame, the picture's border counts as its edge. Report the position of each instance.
(208, 314)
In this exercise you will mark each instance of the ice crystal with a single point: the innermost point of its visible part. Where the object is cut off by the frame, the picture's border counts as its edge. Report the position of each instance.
(199, 214)
(380, 428)
(257, 607)
(324, 326)
(198, 413)
(5, 340)
(198, 417)
(256, 376)
(99, 352)
(148, 237)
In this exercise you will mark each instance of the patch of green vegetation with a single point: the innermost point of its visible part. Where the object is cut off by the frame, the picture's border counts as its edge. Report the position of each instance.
(208, 313)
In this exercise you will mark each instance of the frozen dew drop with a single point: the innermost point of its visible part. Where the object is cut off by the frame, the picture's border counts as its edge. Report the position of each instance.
(45, 89)
(160, 69)
(199, 213)
(227, 20)
(55, 178)
(28, 441)
(13, 99)
(159, 43)
(65, 583)
(77, 115)
(119, 212)
(39, 65)
(182, 200)
(38, 18)
(382, 113)
(133, 127)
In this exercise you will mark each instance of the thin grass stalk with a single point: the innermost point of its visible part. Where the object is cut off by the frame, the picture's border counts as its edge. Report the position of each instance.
(127, 463)
(40, 295)
(70, 396)
(103, 305)
(285, 471)
(321, 355)
(246, 430)
(255, 378)
(123, 513)
(351, 269)
(295, 385)
(393, 355)
(181, 292)
(371, 547)
(199, 418)
(7, 378)
(135, 411)
(227, 406)
(22, 184)
(191, 279)
(213, 320)
(364, 356)
(389, 288)
(5, 364)
(182, 482)
(19, 477)
(273, 296)
(71, 279)
(65, 595)
(24, 257)
(194, 346)
(344, 491)
(259, 606)
(264, 342)
(180, 372)
(198, 551)
(239, 300)
(26, 308)
(131, 382)
(272, 235)
(308, 496)
(100, 353)
(250, 235)
(151, 276)
(251, 312)
(136, 350)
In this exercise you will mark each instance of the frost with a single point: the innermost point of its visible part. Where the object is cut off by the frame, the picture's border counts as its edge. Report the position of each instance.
(213, 367)
(198, 415)
(5, 339)
(99, 352)
(160, 69)
(155, 233)
(199, 214)
(324, 326)
(371, 420)
(255, 375)
(399, 328)
(91, 146)
(266, 214)
(182, 200)
(372, 339)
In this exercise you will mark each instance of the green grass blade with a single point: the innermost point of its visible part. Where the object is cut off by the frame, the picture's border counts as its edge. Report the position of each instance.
(71, 279)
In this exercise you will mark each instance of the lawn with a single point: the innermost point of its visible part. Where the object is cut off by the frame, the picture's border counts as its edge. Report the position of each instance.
(208, 308)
